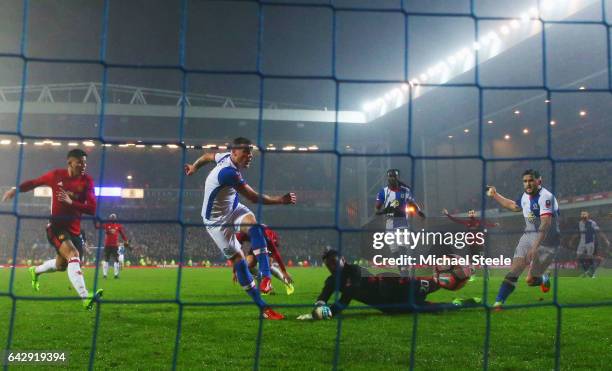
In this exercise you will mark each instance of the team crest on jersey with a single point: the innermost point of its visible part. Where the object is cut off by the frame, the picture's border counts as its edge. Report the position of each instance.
(547, 203)
(531, 217)
(394, 203)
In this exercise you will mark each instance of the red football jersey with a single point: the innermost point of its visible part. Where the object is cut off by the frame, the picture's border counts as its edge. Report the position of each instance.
(112, 232)
(80, 188)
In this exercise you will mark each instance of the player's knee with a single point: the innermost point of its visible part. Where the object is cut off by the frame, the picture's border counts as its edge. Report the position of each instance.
(258, 241)
(511, 278)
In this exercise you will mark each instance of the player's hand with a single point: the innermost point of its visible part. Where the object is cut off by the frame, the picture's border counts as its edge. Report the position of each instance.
(289, 199)
(190, 169)
(8, 195)
(491, 191)
(62, 196)
(445, 211)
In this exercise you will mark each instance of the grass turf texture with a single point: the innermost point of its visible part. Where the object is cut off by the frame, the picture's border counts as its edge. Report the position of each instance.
(142, 336)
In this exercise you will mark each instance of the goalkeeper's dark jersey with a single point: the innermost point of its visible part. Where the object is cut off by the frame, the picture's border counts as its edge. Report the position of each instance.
(386, 292)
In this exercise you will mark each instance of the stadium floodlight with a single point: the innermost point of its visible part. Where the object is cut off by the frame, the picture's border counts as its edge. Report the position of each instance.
(450, 137)
(490, 122)
(517, 112)
(466, 130)
(582, 113)
(56, 144)
(507, 137)
(452, 60)
(39, 143)
(313, 148)
(303, 149)
(156, 146)
(405, 87)
(423, 77)
(128, 177)
(476, 45)
(5, 142)
(172, 146)
(524, 17)
(367, 106)
(525, 131)
(88, 143)
(534, 12)
(289, 148)
(140, 146)
(515, 24)
(553, 123)
(22, 143)
(582, 87)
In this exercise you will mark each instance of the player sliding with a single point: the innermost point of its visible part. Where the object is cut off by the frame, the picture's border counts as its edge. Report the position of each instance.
(73, 195)
(224, 216)
(387, 292)
(277, 267)
(540, 242)
(112, 230)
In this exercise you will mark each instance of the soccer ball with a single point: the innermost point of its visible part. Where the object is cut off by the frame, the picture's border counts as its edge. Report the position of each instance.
(452, 277)
(322, 312)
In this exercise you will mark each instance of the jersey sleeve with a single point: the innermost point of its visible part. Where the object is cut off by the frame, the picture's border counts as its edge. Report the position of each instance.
(595, 226)
(220, 156)
(519, 201)
(547, 204)
(380, 197)
(230, 177)
(44, 180)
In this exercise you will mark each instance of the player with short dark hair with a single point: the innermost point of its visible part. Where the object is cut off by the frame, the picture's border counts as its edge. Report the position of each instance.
(73, 195)
(585, 252)
(112, 231)
(224, 215)
(474, 225)
(387, 292)
(396, 202)
(541, 239)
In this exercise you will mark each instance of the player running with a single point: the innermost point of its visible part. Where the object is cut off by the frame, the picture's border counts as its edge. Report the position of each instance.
(277, 267)
(112, 231)
(540, 242)
(589, 230)
(387, 292)
(224, 215)
(73, 195)
(473, 225)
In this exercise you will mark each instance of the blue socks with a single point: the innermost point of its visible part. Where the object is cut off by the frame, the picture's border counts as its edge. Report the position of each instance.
(258, 242)
(246, 281)
(506, 288)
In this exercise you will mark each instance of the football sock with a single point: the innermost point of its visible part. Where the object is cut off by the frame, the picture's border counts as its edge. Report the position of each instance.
(76, 277)
(506, 288)
(104, 268)
(47, 266)
(260, 249)
(248, 284)
(277, 272)
(116, 268)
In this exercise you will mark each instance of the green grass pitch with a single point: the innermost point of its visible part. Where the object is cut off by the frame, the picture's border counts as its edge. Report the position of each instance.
(142, 336)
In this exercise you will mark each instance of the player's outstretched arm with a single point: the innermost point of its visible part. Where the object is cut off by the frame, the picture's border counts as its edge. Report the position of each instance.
(250, 194)
(503, 201)
(206, 158)
(29, 185)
